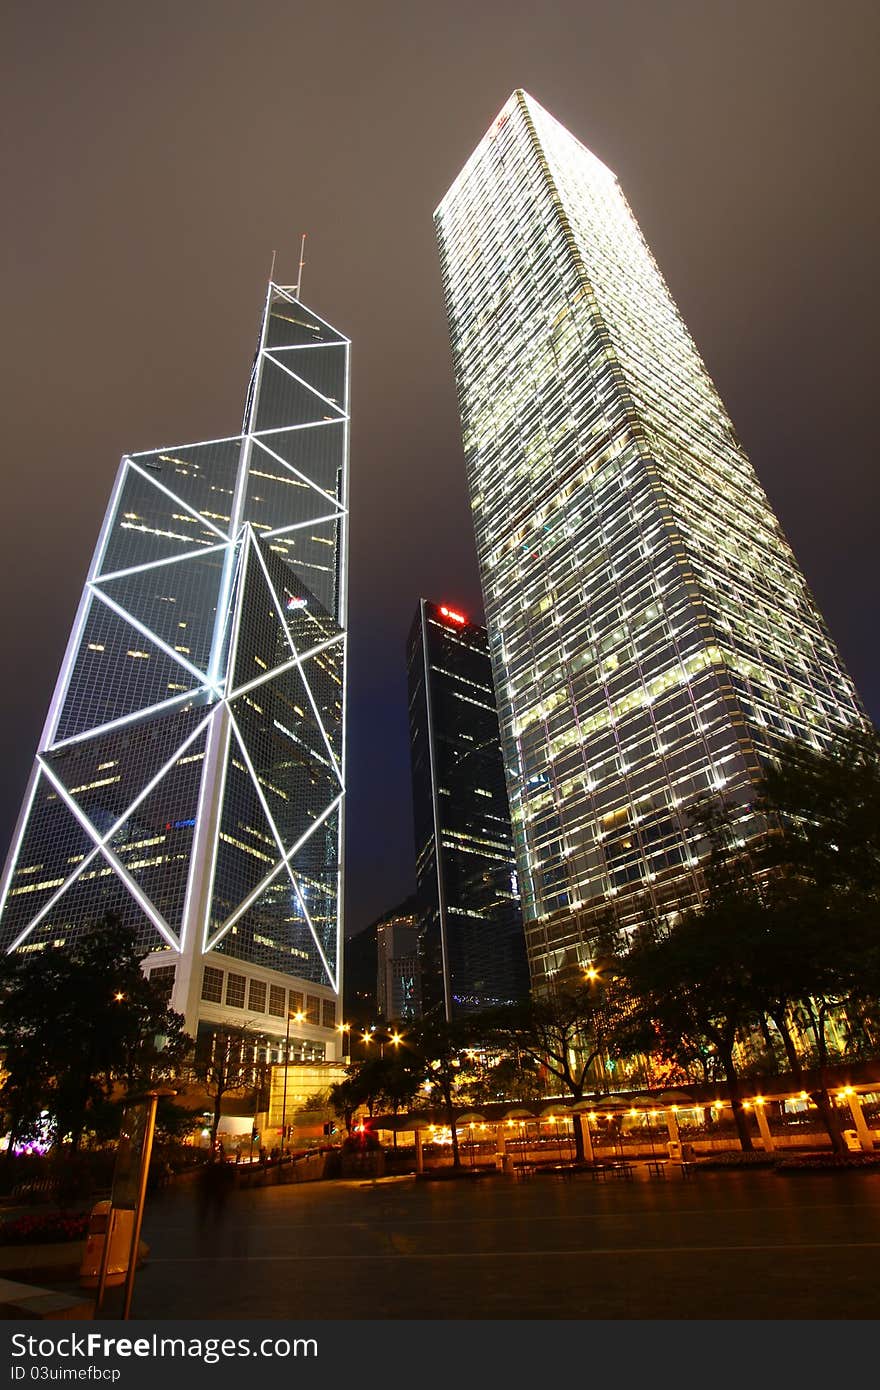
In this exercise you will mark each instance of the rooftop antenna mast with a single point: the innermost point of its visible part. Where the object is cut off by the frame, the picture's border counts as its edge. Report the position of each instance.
(302, 261)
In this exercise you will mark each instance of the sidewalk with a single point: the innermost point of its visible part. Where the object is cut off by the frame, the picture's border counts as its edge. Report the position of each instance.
(18, 1301)
(58, 1263)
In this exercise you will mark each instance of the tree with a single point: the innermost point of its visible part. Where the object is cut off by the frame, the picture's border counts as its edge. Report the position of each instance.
(817, 951)
(825, 808)
(345, 1099)
(223, 1066)
(435, 1046)
(566, 1031)
(690, 985)
(801, 904)
(77, 1021)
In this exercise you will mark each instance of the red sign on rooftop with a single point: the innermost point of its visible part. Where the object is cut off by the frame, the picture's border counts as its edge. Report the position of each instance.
(453, 617)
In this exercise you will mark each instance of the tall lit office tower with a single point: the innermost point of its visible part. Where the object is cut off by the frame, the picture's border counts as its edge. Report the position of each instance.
(190, 774)
(473, 950)
(652, 636)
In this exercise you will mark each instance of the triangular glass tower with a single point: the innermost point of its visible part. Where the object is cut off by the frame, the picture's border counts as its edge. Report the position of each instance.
(190, 776)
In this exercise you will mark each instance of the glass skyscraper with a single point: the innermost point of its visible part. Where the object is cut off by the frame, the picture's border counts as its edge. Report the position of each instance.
(652, 636)
(190, 775)
(473, 950)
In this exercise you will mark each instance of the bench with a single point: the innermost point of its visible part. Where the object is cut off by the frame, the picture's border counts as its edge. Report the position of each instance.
(43, 1188)
(521, 1171)
(622, 1168)
(657, 1166)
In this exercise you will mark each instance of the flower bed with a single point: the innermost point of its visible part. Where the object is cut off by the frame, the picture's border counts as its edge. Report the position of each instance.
(806, 1163)
(736, 1158)
(45, 1229)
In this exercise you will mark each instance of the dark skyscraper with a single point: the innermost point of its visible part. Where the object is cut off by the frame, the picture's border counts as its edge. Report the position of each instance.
(474, 951)
(190, 774)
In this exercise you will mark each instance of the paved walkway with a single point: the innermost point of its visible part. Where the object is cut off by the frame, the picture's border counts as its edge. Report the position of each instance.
(726, 1245)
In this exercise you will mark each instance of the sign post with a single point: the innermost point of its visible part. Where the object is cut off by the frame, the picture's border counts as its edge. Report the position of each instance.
(129, 1188)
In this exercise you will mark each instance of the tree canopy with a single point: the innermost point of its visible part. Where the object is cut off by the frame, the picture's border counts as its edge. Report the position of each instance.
(76, 1022)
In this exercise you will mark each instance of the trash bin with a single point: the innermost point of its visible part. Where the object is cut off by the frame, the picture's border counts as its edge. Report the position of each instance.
(852, 1140)
(121, 1228)
(674, 1148)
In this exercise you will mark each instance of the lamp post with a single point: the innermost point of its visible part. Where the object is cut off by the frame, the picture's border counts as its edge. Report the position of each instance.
(297, 1018)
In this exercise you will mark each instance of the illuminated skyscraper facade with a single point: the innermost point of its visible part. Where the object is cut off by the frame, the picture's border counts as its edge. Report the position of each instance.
(190, 776)
(473, 950)
(652, 636)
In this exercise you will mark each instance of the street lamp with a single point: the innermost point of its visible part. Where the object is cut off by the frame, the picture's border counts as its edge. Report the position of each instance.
(297, 1017)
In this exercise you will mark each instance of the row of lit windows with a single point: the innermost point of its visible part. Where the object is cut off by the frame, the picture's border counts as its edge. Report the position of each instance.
(257, 996)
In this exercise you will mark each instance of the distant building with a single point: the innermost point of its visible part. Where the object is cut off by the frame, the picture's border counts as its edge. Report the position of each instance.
(190, 774)
(399, 967)
(359, 976)
(653, 639)
(472, 934)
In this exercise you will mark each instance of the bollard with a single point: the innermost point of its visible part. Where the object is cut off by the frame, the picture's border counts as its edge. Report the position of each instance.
(121, 1225)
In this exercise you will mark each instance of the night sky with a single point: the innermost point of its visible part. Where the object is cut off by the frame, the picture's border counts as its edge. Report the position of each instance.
(157, 154)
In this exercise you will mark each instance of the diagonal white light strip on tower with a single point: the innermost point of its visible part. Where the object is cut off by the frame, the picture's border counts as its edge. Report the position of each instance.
(305, 912)
(320, 723)
(286, 292)
(290, 429)
(47, 906)
(159, 564)
(278, 608)
(126, 719)
(334, 516)
(310, 482)
(256, 781)
(158, 922)
(313, 390)
(72, 651)
(304, 347)
(174, 448)
(141, 898)
(23, 820)
(199, 516)
(142, 795)
(285, 666)
(273, 874)
(298, 661)
(201, 676)
(211, 942)
(271, 820)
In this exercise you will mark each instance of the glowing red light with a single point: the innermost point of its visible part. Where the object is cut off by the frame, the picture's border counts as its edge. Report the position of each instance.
(453, 616)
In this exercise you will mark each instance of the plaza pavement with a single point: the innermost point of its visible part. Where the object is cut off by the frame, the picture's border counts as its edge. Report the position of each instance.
(723, 1245)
